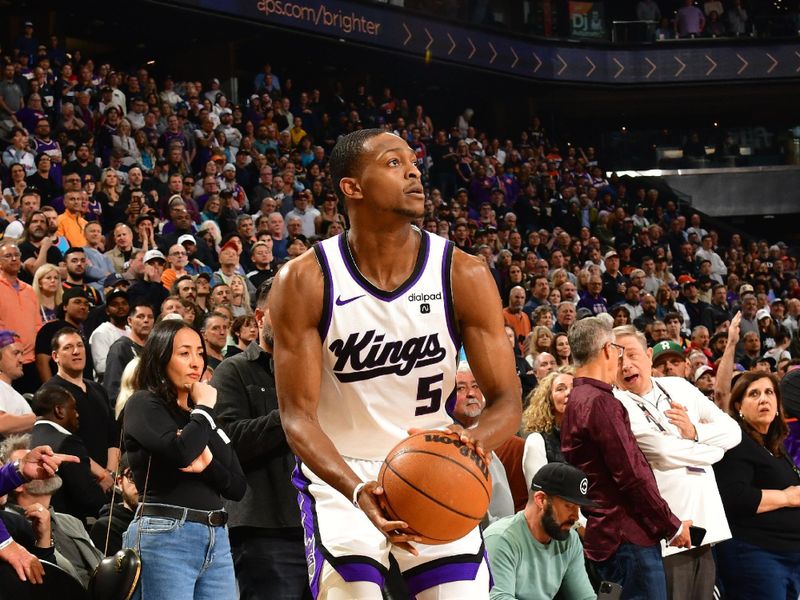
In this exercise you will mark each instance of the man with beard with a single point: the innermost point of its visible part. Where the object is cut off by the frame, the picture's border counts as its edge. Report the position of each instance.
(29, 203)
(76, 272)
(536, 552)
(101, 339)
(83, 164)
(184, 288)
(38, 247)
(266, 535)
(648, 316)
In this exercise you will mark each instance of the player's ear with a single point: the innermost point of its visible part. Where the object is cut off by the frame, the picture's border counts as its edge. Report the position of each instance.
(351, 188)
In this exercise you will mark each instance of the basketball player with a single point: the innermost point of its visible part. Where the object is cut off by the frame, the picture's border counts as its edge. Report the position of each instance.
(367, 331)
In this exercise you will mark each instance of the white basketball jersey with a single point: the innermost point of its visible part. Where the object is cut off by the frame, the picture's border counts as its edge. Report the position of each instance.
(389, 358)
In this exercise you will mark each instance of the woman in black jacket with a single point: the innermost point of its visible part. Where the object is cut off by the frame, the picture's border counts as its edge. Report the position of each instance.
(184, 464)
(760, 489)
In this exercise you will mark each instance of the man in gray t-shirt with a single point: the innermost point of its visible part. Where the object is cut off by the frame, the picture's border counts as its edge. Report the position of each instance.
(10, 101)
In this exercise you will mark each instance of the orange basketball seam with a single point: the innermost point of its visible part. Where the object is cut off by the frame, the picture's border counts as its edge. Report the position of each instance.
(429, 453)
(395, 515)
(432, 499)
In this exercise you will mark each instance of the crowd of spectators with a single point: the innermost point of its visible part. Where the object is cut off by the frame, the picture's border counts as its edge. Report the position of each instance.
(127, 198)
(712, 18)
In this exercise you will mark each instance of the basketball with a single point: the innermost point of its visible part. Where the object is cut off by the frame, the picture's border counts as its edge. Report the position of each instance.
(437, 484)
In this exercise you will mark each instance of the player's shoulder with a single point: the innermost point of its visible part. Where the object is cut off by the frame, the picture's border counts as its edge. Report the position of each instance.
(301, 273)
(466, 264)
(298, 291)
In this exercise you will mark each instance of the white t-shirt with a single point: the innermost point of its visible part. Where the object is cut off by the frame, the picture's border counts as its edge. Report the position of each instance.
(12, 402)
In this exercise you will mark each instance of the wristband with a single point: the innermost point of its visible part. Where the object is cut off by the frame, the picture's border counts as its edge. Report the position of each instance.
(18, 469)
(356, 491)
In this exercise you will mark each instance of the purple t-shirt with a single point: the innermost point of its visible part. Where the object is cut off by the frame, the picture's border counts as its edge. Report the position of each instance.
(690, 20)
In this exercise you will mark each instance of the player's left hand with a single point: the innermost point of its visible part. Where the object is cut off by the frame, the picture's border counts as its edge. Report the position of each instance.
(467, 436)
(369, 499)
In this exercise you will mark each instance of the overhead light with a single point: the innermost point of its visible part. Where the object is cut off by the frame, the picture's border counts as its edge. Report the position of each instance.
(151, 62)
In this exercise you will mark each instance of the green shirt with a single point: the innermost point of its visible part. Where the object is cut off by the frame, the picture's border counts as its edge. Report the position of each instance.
(525, 569)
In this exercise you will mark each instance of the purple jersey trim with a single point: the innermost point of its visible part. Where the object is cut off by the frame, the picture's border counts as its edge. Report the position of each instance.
(308, 519)
(351, 568)
(358, 571)
(447, 293)
(327, 296)
(363, 282)
(443, 573)
(450, 404)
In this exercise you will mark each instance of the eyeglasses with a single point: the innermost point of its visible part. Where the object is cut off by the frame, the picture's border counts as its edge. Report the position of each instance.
(620, 349)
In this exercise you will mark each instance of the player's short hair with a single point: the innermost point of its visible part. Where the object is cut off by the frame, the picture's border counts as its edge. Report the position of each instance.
(346, 155)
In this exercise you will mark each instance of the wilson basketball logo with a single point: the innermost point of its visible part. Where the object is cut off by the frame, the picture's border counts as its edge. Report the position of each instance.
(463, 449)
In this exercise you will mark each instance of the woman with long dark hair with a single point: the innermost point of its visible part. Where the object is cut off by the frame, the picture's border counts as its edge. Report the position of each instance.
(184, 464)
(760, 488)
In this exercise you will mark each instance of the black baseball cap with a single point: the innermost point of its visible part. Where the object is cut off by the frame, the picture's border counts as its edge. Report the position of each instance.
(565, 481)
(116, 294)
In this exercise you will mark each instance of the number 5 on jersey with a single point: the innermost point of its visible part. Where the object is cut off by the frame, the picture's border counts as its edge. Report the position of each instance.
(429, 398)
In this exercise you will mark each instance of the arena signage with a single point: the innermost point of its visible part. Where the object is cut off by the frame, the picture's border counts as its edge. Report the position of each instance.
(662, 63)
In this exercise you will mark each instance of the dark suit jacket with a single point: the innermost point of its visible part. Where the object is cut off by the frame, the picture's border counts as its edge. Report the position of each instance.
(80, 496)
(247, 408)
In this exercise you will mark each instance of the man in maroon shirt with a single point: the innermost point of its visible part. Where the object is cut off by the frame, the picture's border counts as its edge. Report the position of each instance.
(623, 534)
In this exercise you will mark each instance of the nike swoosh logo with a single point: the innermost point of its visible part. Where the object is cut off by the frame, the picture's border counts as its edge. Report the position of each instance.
(340, 302)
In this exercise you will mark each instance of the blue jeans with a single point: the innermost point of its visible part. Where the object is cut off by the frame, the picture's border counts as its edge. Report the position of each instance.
(182, 560)
(638, 569)
(747, 571)
(269, 567)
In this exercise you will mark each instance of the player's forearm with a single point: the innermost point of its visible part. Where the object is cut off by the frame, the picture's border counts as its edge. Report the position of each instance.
(312, 446)
(500, 421)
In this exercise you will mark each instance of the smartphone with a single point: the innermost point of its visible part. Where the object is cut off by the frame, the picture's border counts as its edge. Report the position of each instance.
(697, 534)
(609, 591)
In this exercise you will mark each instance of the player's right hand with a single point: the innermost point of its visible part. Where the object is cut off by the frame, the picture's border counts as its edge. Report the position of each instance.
(370, 501)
